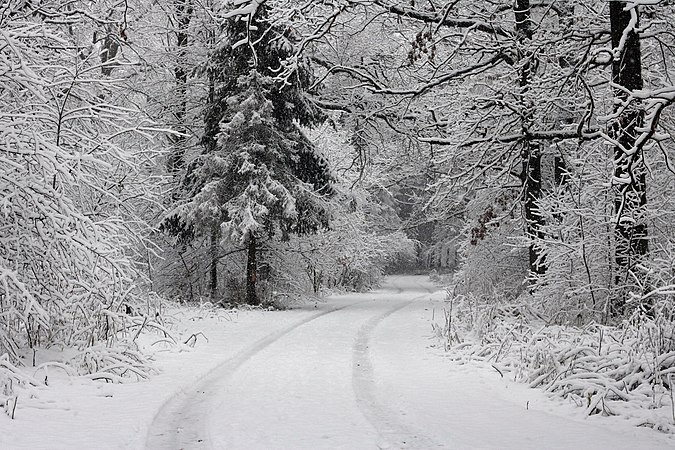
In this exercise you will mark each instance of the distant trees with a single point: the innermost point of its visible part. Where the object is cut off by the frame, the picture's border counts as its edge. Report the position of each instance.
(512, 101)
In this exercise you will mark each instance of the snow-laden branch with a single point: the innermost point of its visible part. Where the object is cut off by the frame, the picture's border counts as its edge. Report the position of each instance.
(585, 135)
(632, 27)
(653, 102)
(450, 76)
(442, 18)
(372, 84)
(244, 8)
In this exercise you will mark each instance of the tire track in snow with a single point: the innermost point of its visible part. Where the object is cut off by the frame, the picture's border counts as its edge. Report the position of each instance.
(179, 423)
(393, 432)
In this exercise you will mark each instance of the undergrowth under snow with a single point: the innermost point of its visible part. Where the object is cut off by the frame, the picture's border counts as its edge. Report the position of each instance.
(126, 357)
(626, 370)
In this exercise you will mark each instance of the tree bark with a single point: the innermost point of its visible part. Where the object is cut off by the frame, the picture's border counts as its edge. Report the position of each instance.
(252, 272)
(630, 186)
(183, 15)
(531, 152)
(532, 171)
(109, 48)
(213, 283)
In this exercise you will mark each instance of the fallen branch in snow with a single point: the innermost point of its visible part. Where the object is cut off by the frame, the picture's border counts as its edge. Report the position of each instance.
(16, 400)
(194, 336)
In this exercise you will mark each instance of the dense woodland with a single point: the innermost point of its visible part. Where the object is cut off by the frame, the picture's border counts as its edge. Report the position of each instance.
(259, 151)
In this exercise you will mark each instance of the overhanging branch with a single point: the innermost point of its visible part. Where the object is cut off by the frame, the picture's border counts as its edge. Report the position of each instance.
(441, 18)
(586, 135)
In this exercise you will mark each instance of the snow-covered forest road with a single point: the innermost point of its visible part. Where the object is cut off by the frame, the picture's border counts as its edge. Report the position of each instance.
(359, 372)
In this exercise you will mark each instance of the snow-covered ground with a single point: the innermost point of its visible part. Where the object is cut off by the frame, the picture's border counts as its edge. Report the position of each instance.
(356, 372)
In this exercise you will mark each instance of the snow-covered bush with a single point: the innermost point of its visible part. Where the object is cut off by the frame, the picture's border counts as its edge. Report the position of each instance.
(583, 279)
(577, 240)
(70, 184)
(626, 370)
(494, 262)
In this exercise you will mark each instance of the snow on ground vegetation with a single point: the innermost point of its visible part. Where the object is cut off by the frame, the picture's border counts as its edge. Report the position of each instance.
(368, 361)
(627, 370)
(52, 406)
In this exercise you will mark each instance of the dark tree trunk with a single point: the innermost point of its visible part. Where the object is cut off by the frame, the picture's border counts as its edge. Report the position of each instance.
(183, 15)
(108, 54)
(560, 175)
(110, 45)
(629, 174)
(213, 283)
(532, 171)
(252, 272)
(531, 153)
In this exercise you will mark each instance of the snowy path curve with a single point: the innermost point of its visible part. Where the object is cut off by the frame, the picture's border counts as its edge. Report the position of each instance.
(392, 431)
(183, 421)
(177, 424)
(359, 373)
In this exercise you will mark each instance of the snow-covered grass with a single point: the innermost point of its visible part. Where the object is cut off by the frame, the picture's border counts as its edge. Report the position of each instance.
(626, 370)
(106, 397)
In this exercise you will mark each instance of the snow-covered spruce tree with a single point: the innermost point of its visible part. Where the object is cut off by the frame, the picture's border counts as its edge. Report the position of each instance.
(258, 175)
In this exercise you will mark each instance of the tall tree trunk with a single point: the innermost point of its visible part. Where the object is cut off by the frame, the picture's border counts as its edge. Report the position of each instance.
(182, 16)
(629, 174)
(532, 172)
(252, 272)
(531, 151)
(213, 282)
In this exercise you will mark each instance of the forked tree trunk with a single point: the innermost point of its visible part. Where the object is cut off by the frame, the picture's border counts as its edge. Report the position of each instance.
(252, 272)
(629, 174)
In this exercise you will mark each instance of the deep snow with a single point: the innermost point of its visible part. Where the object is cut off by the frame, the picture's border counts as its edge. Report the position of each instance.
(356, 372)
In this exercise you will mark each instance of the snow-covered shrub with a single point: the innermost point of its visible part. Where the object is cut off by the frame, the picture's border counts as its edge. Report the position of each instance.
(626, 370)
(583, 280)
(578, 236)
(66, 166)
(494, 263)
(98, 362)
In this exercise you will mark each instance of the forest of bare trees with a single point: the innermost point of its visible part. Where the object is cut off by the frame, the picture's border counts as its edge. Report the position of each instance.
(258, 150)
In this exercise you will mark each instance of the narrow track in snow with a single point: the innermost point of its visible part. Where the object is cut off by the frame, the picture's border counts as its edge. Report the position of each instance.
(359, 373)
(179, 424)
(316, 369)
(391, 427)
